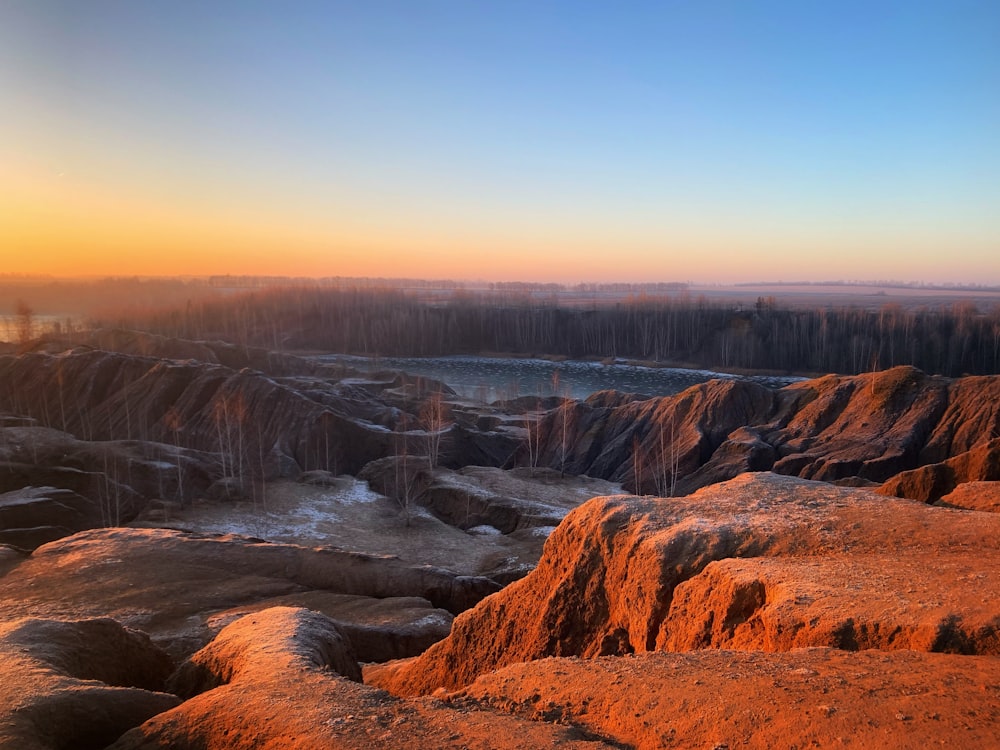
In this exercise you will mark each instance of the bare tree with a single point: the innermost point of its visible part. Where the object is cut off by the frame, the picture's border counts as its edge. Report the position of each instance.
(403, 481)
(435, 417)
(24, 321)
(172, 420)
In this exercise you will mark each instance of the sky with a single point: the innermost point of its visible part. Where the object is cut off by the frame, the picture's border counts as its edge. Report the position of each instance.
(502, 140)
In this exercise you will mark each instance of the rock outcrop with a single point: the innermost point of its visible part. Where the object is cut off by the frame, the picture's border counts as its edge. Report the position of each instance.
(975, 495)
(477, 496)
(862, 428)
(935, 481)
(622, 575)
(77, 684)
(284, 678)
(52, 484)
(181, 588)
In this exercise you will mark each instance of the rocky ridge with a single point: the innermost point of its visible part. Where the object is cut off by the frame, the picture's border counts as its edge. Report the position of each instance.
(761, 562)
(864, 429)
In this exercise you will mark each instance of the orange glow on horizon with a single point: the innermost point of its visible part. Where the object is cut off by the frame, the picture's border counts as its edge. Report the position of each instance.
(54, 225)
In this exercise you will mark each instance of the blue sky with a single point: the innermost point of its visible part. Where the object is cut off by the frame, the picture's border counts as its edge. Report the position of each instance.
(712, 141)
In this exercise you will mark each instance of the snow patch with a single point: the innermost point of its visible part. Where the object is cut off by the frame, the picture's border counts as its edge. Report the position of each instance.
(484, 530)
(356, 491)
(543, 531)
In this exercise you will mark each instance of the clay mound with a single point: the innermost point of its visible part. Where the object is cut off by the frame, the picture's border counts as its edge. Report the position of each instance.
(607, 578)
(275, 640)
(143, 344)
(971, 420)
(33, 516)
(871, 426)
(170, 583)
(934, 481)
(984, 496)
(258, 425)
(843, 601)
(273, 679)
(865, 427)
(377, 629)
(673, 436)
(10, 558)
(723, 699)
(77, 684)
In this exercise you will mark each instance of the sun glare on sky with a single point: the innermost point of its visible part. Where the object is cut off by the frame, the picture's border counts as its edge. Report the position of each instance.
(570, 141)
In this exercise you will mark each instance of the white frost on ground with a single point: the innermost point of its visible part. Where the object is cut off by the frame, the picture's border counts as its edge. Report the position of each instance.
(543, 531)
(304, 521)
(354, 491)
(484, 530)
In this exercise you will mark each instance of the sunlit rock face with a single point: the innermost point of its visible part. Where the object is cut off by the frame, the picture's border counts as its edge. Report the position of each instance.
(760, 562)
(862, 429)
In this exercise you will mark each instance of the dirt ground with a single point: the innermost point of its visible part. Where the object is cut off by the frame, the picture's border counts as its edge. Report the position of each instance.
(349, 516)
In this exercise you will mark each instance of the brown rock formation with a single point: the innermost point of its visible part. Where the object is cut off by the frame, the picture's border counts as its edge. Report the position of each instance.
(849, 601)
(859, 428)
(472, 496)
(934, 481)
(607, 579)
(172, 584)
(76, 684)
(983, 496)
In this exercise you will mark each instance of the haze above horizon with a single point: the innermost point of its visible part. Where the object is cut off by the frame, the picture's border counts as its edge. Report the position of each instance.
(718, 142)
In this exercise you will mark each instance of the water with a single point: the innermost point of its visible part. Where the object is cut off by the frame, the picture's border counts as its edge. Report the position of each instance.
(489, 379)
(10, 326)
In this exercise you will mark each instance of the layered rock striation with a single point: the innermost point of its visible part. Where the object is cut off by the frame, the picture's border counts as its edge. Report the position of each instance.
(863, 429)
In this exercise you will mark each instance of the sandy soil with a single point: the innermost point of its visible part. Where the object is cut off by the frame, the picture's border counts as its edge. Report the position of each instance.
(805, 698)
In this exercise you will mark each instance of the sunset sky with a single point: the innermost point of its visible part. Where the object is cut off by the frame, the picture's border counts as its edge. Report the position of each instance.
(502, 140)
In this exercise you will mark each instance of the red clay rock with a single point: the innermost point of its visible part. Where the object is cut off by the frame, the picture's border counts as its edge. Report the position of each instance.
(607, 577)
(934, 481)
(870, 425)
(274, 640)
(866, 427)
(984, 496)
(723, 699)
(274, 681)
(867, 601)
(971, 420)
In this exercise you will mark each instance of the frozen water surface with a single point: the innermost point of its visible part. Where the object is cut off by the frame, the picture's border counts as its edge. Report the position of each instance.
(490, 379)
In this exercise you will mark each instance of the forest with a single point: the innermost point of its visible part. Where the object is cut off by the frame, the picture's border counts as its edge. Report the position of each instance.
(673, 329)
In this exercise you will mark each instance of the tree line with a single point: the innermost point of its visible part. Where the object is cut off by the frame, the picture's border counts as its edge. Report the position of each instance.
(673, 329)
